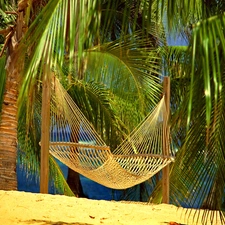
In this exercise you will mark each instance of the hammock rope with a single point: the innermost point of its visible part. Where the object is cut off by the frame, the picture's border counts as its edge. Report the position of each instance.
(74, 141)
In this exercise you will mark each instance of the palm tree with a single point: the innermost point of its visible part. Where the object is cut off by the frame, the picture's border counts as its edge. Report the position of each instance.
(8, 123)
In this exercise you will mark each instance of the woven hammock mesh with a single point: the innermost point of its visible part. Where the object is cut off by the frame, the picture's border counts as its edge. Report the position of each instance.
(74, 141)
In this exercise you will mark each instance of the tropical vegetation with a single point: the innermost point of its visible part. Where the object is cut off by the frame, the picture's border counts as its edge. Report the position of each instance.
(113, 54)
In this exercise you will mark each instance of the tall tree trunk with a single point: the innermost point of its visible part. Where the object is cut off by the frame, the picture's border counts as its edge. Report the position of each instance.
(8, 132)
(8, 122)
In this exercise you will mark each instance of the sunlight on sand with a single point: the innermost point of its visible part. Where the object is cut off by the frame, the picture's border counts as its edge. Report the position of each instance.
(41, 209)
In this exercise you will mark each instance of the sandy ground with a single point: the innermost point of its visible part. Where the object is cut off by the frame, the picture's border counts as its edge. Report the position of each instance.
(41, 209)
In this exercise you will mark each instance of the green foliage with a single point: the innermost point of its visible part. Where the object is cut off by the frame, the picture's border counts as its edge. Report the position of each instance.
(97, 104)
(6, 19)
(130, 67)
(58, 179)
(197, 103)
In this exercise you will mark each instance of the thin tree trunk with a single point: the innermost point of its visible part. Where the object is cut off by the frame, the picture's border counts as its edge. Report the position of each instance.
(73, 180)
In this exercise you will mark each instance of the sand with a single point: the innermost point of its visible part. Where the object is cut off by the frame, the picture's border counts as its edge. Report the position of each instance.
(44, 209)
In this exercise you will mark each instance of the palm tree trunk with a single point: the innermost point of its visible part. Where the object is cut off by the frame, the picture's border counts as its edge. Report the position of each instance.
(8, 132)
(8, 122)
(73, 180)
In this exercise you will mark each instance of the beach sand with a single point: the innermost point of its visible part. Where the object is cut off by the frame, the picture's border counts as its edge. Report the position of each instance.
(44, 209)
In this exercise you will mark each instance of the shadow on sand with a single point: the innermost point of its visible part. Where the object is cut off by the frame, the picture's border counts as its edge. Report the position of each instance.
(47, 222)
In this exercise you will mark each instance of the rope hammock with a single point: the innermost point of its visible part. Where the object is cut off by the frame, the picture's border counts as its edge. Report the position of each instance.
(74, 142)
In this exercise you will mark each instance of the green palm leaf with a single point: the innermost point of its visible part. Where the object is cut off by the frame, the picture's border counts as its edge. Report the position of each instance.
(128, 67)
(197, 179)
(98, 105)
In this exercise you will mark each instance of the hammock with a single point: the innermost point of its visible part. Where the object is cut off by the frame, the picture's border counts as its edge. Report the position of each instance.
(135, 160)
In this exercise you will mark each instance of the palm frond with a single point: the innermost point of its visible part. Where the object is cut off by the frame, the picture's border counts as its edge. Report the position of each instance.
(53, 36)
(198, 171)
(127, 67)
(9, 18)
(208, 52)
(96, 102)
(197, 179)
(176, 61)
(57, 178)
(119, 18)
(181, 13)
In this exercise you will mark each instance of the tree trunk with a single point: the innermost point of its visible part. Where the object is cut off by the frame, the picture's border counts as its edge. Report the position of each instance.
(8, 133)
(8, 122)
(73, 180)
